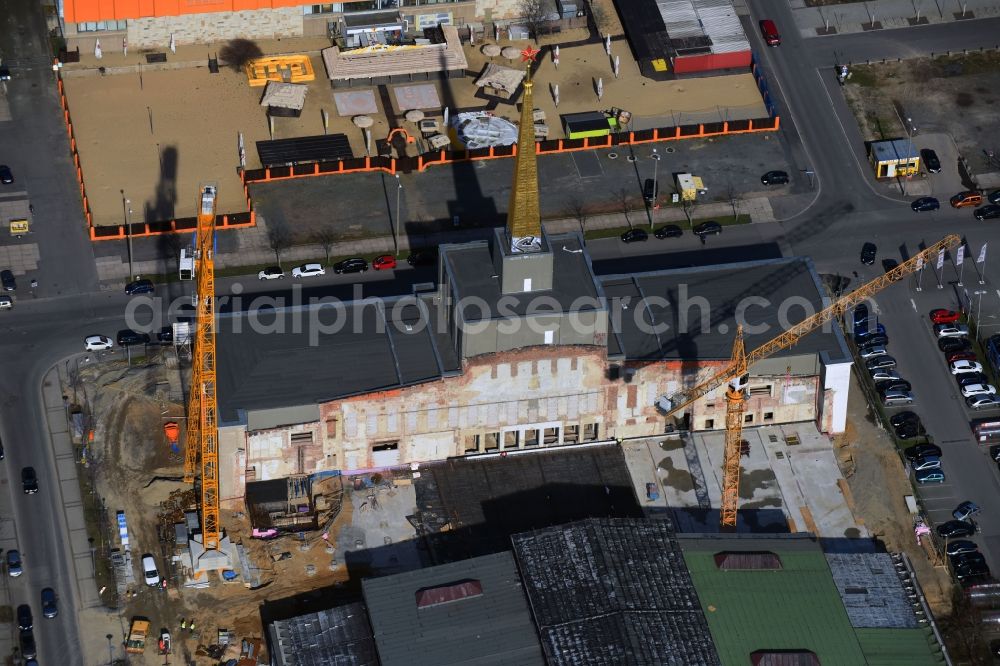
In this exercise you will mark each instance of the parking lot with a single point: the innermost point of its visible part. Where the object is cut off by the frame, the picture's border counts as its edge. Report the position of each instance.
(969, 472)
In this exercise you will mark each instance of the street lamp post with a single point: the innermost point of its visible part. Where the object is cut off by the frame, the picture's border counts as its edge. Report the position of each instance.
(979, 307)
(111, 650)
(399, 191)
(656, 183)
(127, 217)
(909, 143)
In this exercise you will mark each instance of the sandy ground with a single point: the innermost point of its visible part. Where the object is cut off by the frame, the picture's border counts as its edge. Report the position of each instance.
(160, 135)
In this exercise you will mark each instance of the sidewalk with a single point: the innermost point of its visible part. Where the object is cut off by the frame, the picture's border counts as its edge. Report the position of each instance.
(253, 248)
(886, 15)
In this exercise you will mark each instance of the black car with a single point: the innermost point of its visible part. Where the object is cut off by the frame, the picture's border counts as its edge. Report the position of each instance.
(956, 528)
(7, 280)
(649, 191)
(422, 258)
(960, 546)
(908, 431)
(967, 559)
(868, 252)
(28, 649)
(994, 197)
(352, 265)
(903, 417)
(774, 178)
(634, 236)
(709, 228)
(166, 334)
(922, 450)
(972, 570)
(6, 177)
(29, 480)
(893, 385)
(889, 264)
(990, 212)
(950, 345)
(4, 73)
(967, 378)
(127, 337)
(924, 204)
(861, 316)
(49, 607)
(24, 620)
(873, 340)
(931, 160)
(669, 231)
(140, 287)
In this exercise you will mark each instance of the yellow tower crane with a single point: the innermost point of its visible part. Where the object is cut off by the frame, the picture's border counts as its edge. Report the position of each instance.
(736, 372)
(203, 432)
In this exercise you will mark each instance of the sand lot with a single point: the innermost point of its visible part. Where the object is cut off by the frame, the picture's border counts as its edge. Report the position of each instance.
(158, 136)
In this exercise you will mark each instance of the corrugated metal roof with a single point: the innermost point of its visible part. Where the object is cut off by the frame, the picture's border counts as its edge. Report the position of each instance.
(613, 591)
(492, 628)
(337, 637)
(899, 647)
(715, 19)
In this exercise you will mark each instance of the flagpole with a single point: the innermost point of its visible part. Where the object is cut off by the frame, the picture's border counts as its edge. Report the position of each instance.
(939, 267)
(961, 263)
(920, 272)
(982, 260)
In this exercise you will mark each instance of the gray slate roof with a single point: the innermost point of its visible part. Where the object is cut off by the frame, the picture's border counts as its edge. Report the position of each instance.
(494, 628)
(337, 637)
(871, 590)
(613, 591)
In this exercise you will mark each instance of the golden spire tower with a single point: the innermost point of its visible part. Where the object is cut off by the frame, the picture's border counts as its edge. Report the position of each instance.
(524, 221)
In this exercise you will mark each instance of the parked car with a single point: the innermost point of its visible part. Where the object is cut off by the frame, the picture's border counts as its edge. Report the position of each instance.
(871, 351)
(710, 228)
(907, 431)
(29, 480)
(308, 270)
(49, 607)
(770, 33)
(6, 175)
(7, 280)
(28, 648)
(966, 510)
(965, 560)
(944, 316)
(165, 334)
(352, 265)
(893, 385)
(960, 546)
(951, 345)
(127, 337)
(971, 378)
(14, 566)
(970, 390)
(931, 161)
(897, 398)
(897, 420)
(988, 212)
(951, 330)
(6, 302)
(97, 343)
(868, 252)
(149, 571)
(636, 235)
(978, 402)
(140, 287)
(972, 571)
(384, 262)
(921, 450)
(860, 316)
(774, 178)
(963, 367)
(271, 273)
(669, 231)
(649, 191)
(24, 620)
(882, 375)
(966, 199)
(426, 257)
(880, 362)
(994, 197)
(926, 462)
(864, 331)
(954, 529)
(961, 356)
(924, 204)
(876, 339)
(929, 476)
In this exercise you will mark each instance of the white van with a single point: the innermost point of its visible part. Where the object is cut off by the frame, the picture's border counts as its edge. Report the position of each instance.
(6, 302)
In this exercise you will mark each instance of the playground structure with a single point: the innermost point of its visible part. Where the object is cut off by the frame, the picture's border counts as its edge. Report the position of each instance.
(280, 69)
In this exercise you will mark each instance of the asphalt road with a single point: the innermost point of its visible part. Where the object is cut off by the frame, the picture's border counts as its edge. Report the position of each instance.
(847, 210)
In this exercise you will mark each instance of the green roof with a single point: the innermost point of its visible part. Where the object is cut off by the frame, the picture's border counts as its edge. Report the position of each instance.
(796, 607)
(900, 647)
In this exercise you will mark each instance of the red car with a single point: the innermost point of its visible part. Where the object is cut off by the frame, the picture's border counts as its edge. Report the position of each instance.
(943, 316)
(384, 262)
(961, 356)
(770, 33)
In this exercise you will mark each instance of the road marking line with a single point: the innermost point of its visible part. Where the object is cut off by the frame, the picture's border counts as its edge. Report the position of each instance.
(914, 304)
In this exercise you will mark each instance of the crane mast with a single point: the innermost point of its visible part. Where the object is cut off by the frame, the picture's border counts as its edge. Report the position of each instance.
(736, 371)
(202, 435)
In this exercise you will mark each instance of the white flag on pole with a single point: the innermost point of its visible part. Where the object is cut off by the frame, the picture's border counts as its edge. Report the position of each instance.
(607, 44)
(920, 263)
(940, 261)
(982, 255)
(960, 257)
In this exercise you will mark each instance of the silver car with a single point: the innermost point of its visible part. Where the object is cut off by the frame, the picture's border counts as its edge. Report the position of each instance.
(897, 398)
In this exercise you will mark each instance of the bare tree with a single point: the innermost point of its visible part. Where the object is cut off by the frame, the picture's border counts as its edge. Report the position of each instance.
(278, 238)
(325, 237)
(689, 207)
(735, 198)
(621, 198)
(580, 214)
(532, 13)
(238, 52)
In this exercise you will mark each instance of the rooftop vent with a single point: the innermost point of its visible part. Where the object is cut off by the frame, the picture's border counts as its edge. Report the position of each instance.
(784, 658)
(749, 560)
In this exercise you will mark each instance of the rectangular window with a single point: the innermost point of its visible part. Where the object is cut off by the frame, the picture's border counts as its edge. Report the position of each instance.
(709, 424)
(302, 438)
(589, 432)
(550, 337)
(332, 429)
(571, 435)
(385, 446)
(768, 416)
(322, 9)
(510, 439)
(527, 284)
(101, 26)
(530, 438)
(472, 443)
(493, 441)
(763, 389)
(550, 436)
(748, 418)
